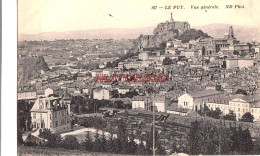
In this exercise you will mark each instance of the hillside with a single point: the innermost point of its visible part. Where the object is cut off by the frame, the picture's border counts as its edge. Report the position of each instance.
(31, 66)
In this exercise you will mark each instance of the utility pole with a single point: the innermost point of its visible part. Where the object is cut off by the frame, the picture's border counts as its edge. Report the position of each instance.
(153, 131)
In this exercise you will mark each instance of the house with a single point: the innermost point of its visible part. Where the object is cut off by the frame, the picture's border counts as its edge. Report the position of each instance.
(123, 90)
(53, 90)
(52, 113)
(101, 94)
(26, 92)
(196, 100)
(239, 63)
(141, 102)
(160, 102)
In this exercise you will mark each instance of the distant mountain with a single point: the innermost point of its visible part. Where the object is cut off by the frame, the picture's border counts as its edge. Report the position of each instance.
(242, 33)
(110, 33)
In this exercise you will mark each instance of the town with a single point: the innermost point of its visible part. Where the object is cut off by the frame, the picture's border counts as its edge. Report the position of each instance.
(212, 87)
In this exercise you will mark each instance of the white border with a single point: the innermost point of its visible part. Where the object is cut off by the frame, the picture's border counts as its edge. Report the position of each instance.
(9, 78)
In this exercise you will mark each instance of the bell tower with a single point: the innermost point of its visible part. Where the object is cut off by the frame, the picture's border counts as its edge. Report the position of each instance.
(231, 33)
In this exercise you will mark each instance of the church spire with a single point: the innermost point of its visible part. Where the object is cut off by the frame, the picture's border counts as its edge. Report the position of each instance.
(230, 32)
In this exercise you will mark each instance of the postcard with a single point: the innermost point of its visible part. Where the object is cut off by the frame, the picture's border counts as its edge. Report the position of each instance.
(138, 77)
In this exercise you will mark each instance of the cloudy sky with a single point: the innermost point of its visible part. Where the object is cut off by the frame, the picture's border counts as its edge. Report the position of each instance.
(37, 16)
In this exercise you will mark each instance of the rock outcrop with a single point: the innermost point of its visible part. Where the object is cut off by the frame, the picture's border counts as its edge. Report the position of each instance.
(31, 67)
(163, 33)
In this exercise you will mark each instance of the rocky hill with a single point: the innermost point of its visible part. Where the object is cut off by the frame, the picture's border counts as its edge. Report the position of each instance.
(169, 31)
(31, 67)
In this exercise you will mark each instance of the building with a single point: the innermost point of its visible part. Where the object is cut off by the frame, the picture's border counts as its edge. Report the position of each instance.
(101, 94)
(240, 48)
(228, 40)
(94, 73)
(143, 102)
(196, 100)
(191, 54)
(53, 90)
(26, 92)
(239, 105)
(143, 55)
(239, 63)
(52, 113)
(130, 65)
(160, 102)
(123, 90)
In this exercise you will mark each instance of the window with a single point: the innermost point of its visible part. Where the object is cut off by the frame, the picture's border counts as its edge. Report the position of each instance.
(34, 116)
(55, 115)
(50, 116)
(62, 113)
(238, 109)
(62, 122)
(56, 123)
(50, 124)
(40, 116)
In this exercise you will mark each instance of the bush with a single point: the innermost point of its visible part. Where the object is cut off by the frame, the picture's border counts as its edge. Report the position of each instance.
(70, 142)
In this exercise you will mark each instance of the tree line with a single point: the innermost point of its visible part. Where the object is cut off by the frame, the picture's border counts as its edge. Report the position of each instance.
(85, 105)
(218, 114)
(124, 143)
(213, 139)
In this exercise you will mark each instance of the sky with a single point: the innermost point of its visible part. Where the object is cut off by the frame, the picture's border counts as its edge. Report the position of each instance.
(38, 16)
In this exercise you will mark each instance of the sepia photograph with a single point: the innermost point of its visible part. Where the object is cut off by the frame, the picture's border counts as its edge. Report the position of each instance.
(138, 77)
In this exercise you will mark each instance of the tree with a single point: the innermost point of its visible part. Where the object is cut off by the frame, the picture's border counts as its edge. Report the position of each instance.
(247, 117)
(241, 91)
(236, 53)
(19, 136)
(53, 139)
(215, 114)
(141, 150)
(103, 142)
(110, 144)
(194, 138)
(248, 144)
(257, 145)
(203, 50)
(109, 65)
(167, 61)
(162, 45)
(88, 142)
(70, 142)
(231, 116)
(97, 143)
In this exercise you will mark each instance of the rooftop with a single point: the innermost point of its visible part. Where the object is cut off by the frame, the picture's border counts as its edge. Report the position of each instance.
(204, 93)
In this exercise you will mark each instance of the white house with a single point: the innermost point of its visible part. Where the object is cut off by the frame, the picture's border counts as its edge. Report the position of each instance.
(101, 94)
(141, 102)
(196, 100)
(160, 103)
